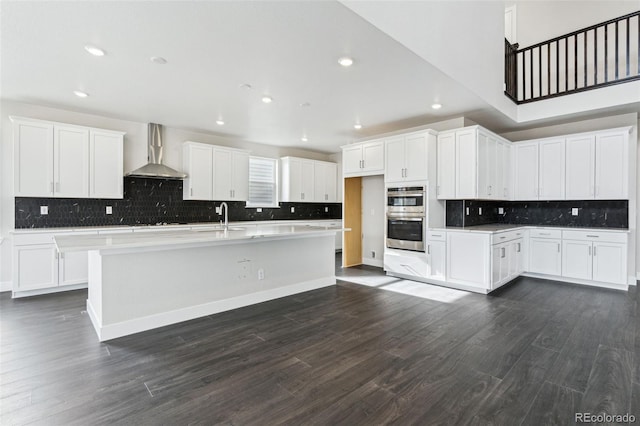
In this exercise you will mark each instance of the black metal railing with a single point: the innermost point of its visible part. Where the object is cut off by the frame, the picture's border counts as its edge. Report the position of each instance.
(597, 56)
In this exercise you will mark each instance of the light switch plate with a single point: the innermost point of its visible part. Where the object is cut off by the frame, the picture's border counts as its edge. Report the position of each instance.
(326, 209)
(574, 211)
(467, 211)
(217, 210)
(44, 210)
(480, 211)
(500, 210)
(259, 210)
(109, 210)
(293, 209)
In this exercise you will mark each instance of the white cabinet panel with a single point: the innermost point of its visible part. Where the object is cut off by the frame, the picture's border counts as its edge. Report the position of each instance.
(35, 267)
(325, 178)
(395, 160)
(71, 162)
(551, 179)
(468, 259)
(416, 161)
(106, 164)
(222, 169)
(610, 262)
(488, 186)
(545, 256)
(240, 176)
(73, 268)
(33, 159)
(373, 156)
(297, 180)
(576, 259)
(331, 182)
(437, 256)
(580, 167)
(363, 159)
(446, 189)
(525, 158)
(466, 164)
(611, 166)
(352, 159)
(405, 262)
(197, 163)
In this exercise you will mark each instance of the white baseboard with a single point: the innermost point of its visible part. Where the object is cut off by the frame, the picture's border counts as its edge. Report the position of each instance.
(6, 286)
(27, 293)
(125, 328)
(372, 262)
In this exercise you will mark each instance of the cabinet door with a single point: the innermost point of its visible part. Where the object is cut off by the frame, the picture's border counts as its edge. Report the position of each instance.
(507, 176)
(469, 259)
(394, 170)
(307, 181)
(71, 162)
(320, 175)
(106, 166)
(487, 166)
(551, 170)
(466, 164)
(33, 159)
(198, 164)
(352, 159)
(373, 156)
(545, 256)
(240, 176)
(610, 262)
(516, 264)
(292, 180)
(222, 169)
(331, 182)
(576, 259)
(496, 264)
(416, 161)
(580, 167)
(611, 166)
(73, 268)
(446, 189)
(36, 266)
(525, 171)
(437, 254)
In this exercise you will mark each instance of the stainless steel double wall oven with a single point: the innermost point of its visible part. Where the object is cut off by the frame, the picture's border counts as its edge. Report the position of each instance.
(406, 217)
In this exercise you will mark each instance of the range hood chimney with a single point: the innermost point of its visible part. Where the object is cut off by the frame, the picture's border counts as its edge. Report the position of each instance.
(154, 168)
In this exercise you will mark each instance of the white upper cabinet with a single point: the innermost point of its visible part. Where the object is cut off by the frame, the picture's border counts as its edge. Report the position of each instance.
(197, 162)
(504, 180)
(612, 165)
(33, 159)
(551, 179)
(325, 178)
(66, 161)
(407, 157)
(580, 167)
(363, 159)
(488, 187)
(466, 164)
(215, 172)
(446, 165)
(525, 159)
(106, 164)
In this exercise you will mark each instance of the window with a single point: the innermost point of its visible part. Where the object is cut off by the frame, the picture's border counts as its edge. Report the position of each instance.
(263, 182)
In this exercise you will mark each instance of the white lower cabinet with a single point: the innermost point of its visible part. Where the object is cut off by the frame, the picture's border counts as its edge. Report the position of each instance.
(545, 256)
(73, 268)
(507, 259)
(405, 262)
(468, 259)
(595, 256)
(437, 259)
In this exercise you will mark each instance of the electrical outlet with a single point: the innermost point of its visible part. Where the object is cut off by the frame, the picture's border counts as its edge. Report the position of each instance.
(109, 210)
(217, 210)
(467, 211)
(293, 209)
(479, 211)
(259, 210)
(373, 254)
(44, 210)
(326, 209)
(500, 210)
(574, 211)
(261, 274)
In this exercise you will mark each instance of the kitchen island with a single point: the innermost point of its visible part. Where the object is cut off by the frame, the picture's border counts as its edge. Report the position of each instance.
(144, 281)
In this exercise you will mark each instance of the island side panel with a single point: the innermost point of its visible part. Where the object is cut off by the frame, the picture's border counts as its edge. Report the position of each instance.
(148, 289)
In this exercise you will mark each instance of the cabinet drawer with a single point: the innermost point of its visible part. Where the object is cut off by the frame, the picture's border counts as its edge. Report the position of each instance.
(545, 233)
(31, 239)
(611, 237)
(503, 237)
(436, 236)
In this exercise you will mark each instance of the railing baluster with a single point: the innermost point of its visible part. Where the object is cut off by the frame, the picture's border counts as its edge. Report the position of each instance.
(557, 66)
(616, 54)
(566, 64)
(549, 69)
(540, 71)
(575, 61)
(606, 54)
(627, 61)
(595, 56)
(531, 73)
(585, 58)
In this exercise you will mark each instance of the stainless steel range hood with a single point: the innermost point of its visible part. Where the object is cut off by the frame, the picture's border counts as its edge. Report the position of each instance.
(154, 168)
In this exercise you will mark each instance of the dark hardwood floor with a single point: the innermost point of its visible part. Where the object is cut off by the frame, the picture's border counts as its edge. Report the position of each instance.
(534, 353)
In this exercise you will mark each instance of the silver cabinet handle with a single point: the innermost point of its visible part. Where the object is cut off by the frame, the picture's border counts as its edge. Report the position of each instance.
(503, 252)
(589, 250)
(594, 250)
(230, 193)
(593, 236)
(429, 249)
(436, 235)
(191, 191)
(545, 233)
(558, 247)
(519, 248)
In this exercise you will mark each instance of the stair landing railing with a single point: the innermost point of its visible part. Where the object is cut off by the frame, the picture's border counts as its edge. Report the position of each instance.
(597, 56)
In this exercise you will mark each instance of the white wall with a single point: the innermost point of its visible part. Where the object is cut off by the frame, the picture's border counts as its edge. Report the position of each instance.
(373, 220)
(602, 123)
(538, 21)
(135, 155)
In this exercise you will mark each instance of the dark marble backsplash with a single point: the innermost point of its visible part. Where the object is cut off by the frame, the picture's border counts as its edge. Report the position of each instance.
(150, 202)
(591, 213)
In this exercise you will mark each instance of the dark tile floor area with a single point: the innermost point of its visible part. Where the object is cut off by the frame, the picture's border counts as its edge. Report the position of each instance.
(534, 353)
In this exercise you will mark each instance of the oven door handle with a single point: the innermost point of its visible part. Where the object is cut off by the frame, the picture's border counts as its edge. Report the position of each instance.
(405, 194)
(408, 219)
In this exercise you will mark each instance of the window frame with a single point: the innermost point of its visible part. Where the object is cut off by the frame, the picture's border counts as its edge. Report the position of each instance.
(276, 185)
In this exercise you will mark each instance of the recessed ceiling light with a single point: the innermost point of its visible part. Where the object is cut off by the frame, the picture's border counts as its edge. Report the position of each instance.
(436, 106)
(80, 94)
(158, 60)
(357, 126)
(220, 122)
(304, 139)
(95, 51)
(345, 61)
(267, 99)
(246, 86)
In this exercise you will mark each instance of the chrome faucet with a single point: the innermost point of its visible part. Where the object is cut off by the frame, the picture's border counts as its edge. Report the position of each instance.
(226, 214)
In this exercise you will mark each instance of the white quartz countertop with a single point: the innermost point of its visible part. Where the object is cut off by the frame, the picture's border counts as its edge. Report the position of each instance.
(497, 228)
(205, 236)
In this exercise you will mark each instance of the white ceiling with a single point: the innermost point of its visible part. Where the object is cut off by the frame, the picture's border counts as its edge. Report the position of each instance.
(288, 50)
